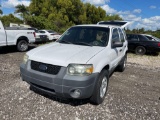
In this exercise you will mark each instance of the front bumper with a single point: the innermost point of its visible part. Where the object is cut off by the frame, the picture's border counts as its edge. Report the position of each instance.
(153, 49)
(157, 49)
(60, 84)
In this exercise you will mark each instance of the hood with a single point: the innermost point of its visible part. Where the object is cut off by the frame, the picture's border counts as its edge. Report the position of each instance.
(63, 54)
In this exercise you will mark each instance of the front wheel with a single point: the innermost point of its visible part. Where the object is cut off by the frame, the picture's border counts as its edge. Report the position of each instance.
(100, 89)
(22, 45)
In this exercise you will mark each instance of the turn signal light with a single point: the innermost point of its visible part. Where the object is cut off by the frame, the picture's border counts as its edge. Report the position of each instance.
(34, 34)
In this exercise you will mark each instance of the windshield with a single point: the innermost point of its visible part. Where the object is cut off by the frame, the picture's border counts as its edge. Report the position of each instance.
(152, 38)
(86, 35)
(157, 39)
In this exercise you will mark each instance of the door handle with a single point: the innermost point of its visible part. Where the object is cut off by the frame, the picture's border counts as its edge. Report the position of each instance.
(120, 50)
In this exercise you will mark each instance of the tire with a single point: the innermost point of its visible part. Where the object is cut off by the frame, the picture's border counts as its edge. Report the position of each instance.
(140, 50)
(22, 45)
(121, 67)
(100, 89)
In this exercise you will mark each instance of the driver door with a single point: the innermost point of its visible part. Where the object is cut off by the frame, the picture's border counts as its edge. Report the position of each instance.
(116, 51)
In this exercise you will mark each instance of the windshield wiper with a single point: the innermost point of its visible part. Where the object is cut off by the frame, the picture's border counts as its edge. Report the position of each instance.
(83, 43)
(65, 41)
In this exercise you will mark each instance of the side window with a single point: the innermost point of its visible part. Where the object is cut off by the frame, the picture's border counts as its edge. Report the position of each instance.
(115, 35)
(122, 38)
(142, 38)
(131, 37)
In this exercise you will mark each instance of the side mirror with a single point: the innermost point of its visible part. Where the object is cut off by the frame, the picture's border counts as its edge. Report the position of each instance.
(117, 44)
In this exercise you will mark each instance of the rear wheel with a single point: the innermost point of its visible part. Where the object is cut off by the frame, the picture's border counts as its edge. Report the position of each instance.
(22, 45)
(100, 89)
(140, 50)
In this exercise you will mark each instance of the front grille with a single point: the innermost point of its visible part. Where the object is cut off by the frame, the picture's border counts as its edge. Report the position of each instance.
(45, 68)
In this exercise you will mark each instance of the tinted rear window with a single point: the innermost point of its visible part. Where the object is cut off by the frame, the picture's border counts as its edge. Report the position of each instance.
(142, 38)
(131, 37)
(50, 31)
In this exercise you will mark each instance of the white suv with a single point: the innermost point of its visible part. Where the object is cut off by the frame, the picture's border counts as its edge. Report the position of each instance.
(79, 64)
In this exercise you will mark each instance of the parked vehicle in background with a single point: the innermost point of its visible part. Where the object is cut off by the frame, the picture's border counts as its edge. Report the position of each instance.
(77, 65)
(51, 34)
(150, 37)
(140, 44)
(40, 37)
(20, 37)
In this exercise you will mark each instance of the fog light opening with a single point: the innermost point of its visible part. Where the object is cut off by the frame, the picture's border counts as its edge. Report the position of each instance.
(76, 93)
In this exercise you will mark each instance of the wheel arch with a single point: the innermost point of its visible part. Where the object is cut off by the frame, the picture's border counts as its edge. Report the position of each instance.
(22, 38)
(106, 67)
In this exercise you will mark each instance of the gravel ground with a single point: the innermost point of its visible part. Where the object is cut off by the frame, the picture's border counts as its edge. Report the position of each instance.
(132, 95)
(152, 61)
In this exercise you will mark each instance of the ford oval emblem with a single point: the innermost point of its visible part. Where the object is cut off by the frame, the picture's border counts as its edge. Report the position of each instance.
(43, 67)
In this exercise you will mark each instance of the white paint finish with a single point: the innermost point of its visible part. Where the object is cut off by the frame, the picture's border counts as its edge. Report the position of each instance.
(10, 37)
(2, 35)
(106, 57)
(50, 36)
(64, 54)
(13, 35)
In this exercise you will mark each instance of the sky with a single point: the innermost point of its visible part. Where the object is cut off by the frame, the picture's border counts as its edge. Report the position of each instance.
(141, 13)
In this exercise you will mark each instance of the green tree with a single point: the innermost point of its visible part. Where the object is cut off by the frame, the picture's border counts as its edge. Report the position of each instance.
(112, 17)
(23, 10)
(1, 12)
(61, 14)
(7, 19)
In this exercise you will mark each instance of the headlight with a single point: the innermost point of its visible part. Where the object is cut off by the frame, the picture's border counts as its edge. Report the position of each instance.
(25, 59)
(80, 69)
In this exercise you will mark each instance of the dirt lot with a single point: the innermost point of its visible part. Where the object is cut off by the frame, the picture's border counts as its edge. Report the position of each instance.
(132, 95)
